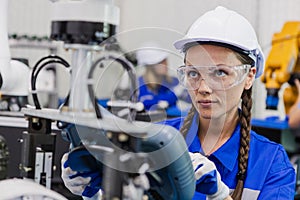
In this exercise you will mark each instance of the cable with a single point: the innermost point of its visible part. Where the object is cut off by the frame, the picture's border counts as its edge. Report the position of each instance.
(36, 70)
(47, 57)
(131, 72)
(91, 89)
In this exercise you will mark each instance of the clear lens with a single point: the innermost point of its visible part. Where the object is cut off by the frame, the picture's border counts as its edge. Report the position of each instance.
(216, 77)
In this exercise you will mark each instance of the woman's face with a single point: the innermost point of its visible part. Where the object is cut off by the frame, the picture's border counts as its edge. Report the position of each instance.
(161, 68)
(212, 103)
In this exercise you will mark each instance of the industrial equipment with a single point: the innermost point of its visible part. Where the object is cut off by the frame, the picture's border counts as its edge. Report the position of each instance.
(26, 189)
(123, 149)
(4, 158)
(38, 142)
(14, 74)
(283, 66)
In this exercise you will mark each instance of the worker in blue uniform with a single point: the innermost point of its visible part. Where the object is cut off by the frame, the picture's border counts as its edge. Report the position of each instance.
(222, 58)
(294, 114)
(155, 85)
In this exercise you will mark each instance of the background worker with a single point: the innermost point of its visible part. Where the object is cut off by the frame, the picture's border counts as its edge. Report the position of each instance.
(222, 58)
(294, 114)
(156, 86)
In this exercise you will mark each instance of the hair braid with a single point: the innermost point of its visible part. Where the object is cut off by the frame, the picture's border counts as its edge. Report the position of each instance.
(187, 121)
(245, 120)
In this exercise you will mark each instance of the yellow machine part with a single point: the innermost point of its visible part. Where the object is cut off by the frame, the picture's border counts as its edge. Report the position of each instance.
(283, 60)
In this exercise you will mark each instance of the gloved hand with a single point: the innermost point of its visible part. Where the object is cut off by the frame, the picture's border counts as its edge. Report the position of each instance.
(208, 179)
(80, 175)
(162, 104)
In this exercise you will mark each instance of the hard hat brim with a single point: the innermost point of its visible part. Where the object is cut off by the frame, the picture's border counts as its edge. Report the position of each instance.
(181, 44)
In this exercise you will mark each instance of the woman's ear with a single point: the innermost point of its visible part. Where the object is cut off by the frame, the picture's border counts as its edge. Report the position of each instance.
(250, 78)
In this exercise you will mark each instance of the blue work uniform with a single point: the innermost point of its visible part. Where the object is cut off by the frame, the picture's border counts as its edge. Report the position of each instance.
(270, 174)
(164, 93)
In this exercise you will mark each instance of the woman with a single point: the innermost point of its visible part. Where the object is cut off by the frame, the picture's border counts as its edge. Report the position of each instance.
(221, 60)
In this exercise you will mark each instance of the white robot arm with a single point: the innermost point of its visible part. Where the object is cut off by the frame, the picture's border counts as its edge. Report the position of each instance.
(14, 75)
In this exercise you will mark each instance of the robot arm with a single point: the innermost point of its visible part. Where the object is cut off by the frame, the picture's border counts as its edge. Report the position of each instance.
(282, 64)
(14, 75)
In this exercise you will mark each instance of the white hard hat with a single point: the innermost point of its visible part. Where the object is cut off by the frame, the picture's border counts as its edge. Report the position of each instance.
(228, 28)
(150, 54)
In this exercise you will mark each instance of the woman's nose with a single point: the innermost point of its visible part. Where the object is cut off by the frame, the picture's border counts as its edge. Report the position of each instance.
(203, 87)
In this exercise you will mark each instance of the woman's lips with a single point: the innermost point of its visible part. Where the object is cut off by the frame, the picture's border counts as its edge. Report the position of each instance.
(205, 103)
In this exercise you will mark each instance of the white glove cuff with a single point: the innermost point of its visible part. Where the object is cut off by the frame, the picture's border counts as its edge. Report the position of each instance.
(221, 194)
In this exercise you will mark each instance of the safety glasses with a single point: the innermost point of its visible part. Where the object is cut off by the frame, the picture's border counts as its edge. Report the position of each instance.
(216, 77)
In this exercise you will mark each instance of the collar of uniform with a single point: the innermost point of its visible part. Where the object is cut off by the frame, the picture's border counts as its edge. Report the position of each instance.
(191, 138)
(227, 154)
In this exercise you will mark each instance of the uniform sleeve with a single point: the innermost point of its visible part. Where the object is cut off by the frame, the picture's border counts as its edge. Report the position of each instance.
(153, 99)
(281, 179)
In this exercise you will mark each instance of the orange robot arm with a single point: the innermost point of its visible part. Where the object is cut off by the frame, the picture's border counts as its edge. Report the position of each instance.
(283, 64)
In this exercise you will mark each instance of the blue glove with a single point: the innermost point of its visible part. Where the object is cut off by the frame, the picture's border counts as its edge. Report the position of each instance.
(208, 179)
(81, 173)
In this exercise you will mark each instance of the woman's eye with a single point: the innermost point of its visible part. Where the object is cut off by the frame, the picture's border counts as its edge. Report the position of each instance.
(220, 73)
(192, 74)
